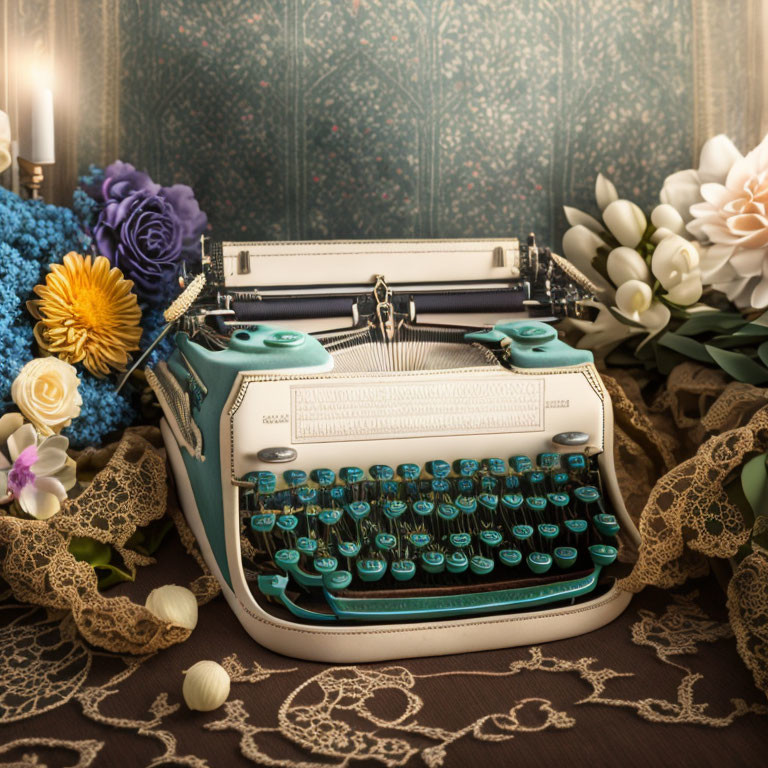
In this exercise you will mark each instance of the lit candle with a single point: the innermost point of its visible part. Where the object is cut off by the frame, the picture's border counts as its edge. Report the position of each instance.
(37, 140)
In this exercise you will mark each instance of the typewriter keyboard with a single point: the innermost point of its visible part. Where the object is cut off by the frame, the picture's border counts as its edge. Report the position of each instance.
(465, 537)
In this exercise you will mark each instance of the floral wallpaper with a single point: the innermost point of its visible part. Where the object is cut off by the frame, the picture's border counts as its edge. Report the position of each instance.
(301, 119)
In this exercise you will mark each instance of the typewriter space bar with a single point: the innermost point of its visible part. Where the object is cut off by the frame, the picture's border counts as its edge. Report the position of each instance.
(473, 603)
(433, 607)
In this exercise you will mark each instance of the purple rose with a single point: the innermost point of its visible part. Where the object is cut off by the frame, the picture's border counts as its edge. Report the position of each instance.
(143, 236)
(193, 220)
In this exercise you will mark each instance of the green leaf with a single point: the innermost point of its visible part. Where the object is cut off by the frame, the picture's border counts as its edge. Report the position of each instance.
(762, 320)
(754, 482)
(88, 550)
(762, 353)
(734, 340)
(703, 322)
(753, 329)
(109, 575)
(623, 318)
(738, 365)
(685, 346)
(147, 540)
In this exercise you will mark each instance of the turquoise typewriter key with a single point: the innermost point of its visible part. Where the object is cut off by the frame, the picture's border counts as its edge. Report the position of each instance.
(539, 562)
(423, 507)
(440, 486)
(323, 477)
(337, 493)
(265, 482)
(456, 562)
(409, 471)
(306, 495)
(522, 532)
(548, 460)
(336, 581)
(466, 467)
(536, 503)
(351, 474)
(496, 467)
(602, 554)
(465, 486)
(587, 493)
(576, 526)
(349, 548)
(385, 541)
(330, 516)
(371, 569)
(512, 483)
(381, 472)
(419, 539)
(403, 570)
(549, 530)
(448, 511)
(286, 558)
(510, 557)
(295, 477)
(488, 500)
(565, 557)
(389, 487)
(488, 483)
(467, 504)
(490, 538)
(520, 463)
(264, 522)
(306, 546)
(606, 524)
(358, 510)
(512, 501)
(460, 540)
(575, 461)
(480, 565)
(393, 509)
(432, 562)
(535, 480)
(560, 478)
(325, 565)
(438, 468)
(558, 499)
(287, 522)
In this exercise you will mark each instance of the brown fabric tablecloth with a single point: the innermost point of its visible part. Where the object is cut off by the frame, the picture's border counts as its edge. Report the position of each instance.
(661, 685)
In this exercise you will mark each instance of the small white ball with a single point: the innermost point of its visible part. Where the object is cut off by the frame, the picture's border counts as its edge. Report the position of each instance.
(173, 604)
(206, 686)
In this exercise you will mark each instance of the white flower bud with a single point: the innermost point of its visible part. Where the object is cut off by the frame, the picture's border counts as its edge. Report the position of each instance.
(626, 221)
(206, 686)
(605, 192)
(627, 264)
(633, 298)
(666, 216)
(675, 264)
(576, 217)
(580, 247)
(174, 604)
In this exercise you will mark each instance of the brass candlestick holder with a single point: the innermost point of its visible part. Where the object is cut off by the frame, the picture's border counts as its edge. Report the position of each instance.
(31, 176)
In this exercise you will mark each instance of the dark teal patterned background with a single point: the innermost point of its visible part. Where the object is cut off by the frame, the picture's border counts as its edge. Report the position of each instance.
(302, 119)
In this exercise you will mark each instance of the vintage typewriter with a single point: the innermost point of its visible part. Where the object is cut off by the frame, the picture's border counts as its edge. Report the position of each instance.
(375, 465)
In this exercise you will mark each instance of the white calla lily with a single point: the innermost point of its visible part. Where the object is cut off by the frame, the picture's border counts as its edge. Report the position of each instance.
(666, 216)
(675, 264)
(576, 217)
(627, 264)
(633, 298)
(604, 333)
(626, 221)
(605, 192)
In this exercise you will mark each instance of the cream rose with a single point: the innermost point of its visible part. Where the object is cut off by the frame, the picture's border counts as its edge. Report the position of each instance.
(46, 392)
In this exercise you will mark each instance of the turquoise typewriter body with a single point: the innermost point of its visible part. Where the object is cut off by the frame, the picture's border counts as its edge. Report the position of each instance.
(374, 469)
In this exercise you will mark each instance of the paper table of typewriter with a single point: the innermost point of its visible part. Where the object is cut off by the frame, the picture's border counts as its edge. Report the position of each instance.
(389, 485)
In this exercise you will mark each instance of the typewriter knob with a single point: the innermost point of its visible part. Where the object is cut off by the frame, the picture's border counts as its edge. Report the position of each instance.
(529, 334)
(571, 439)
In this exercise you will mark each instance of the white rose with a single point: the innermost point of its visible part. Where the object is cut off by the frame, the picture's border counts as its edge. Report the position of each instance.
(626, 222)
(675, 264)
(5, 142)
(627, 264)
(46, 392)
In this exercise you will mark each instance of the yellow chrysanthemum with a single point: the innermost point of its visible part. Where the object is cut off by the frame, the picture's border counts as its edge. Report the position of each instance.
(87, 312)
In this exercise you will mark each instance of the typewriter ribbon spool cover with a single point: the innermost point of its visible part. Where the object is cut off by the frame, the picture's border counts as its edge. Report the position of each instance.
(388, 487)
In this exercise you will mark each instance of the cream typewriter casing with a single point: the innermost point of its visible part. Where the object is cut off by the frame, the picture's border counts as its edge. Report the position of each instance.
(273, 388)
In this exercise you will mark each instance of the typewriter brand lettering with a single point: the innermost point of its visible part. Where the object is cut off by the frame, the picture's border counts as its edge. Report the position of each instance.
(357, 410)
(275, 418)
(558, 403)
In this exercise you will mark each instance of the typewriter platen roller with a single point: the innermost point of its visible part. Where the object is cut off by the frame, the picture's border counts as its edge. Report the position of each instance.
(368, 483)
